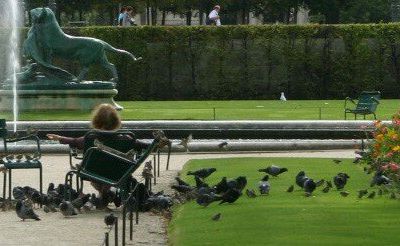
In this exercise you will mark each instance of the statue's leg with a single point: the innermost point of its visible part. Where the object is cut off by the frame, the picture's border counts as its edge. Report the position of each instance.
(105, 63)
(83, 73)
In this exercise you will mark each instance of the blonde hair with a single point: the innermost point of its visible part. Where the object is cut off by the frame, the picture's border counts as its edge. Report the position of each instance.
(105, 117)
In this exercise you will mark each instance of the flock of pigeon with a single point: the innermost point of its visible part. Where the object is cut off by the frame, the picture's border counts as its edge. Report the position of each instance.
(228, 191)
(27, 198)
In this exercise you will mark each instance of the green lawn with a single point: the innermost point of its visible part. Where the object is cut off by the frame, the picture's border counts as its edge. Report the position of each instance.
(287, 218)
(224, 110)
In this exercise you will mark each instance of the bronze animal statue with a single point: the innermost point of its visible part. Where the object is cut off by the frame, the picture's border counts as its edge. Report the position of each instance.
(46, 40)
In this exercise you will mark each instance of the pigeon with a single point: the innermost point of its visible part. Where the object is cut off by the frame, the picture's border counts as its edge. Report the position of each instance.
(222, 186)
(223, 145)
(200, 183)
(80, 201)
(309, 186)
(110, 219)
(238, 183)
(371, 195)
(3, 169)
(301, 178)
(18, 193)
(264, 186)
(67, 209)
(283, 98)
(87, 206)
(362, 193)
(273, 170)
(251, 193)
(25, 212)
(202, 173)
(181, 182)
(326, 189)
(182, 188)
(28, 158)
(337, 161)
(10, 158)
(340, 180)
(379, 179)
(216, 217)
(320, 182)
(185, 141)
(51, 191)
(344, 193)
(49, 208)
(290, 189)
(19, 157)
(160, 202)
(230, 196)
(205, 199)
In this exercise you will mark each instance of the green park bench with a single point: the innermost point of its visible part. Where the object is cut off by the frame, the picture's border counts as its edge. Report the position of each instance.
(366, 104)
(27, 160)
(106, 166)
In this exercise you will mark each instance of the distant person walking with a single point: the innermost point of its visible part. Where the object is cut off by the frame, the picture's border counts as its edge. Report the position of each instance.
(128, 19)
(121, 15)
(213, 17)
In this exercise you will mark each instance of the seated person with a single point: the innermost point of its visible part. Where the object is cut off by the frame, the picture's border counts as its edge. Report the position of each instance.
(105, 118)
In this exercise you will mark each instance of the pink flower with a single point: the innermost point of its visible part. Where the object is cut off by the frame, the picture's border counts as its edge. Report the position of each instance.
(389, 155)
(394, 167)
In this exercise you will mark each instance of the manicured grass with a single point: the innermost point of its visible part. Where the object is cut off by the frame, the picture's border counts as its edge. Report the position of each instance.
(224, 110)
(287, 218)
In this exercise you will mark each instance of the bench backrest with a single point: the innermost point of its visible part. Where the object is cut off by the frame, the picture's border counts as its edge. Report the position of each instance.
(369, 100)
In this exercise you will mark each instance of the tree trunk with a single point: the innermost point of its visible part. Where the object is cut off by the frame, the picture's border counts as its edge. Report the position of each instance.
(189, 18)
(164, 14)
(147, 13)
(154, 16)
(201, 17)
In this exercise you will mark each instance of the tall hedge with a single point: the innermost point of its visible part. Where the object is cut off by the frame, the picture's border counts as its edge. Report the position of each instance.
(252, 62)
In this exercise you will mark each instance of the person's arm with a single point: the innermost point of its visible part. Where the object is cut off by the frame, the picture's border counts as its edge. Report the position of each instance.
(72, 142)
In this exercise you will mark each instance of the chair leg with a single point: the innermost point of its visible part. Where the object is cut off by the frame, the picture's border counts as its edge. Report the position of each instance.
(4, 185)
(41, 182)
(9, 185)
(169, 155)
(158, 163)
(374, 116)
(364, 116)
(355, 116)
(154, 168)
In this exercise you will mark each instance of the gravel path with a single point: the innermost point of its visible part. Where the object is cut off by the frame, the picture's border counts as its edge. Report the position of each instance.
(89, 228)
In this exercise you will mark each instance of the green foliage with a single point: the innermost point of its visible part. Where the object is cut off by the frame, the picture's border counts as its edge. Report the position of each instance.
(253, 62)
(283, 218)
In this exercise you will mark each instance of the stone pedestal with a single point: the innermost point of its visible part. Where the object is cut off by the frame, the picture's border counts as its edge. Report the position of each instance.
(65, 99)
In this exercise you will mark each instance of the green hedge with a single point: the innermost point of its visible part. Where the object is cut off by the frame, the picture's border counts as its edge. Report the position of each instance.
(252, 62)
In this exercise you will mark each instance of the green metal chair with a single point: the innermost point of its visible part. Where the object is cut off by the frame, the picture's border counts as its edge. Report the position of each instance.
(11, 164)
(367, 103)
(106, 167)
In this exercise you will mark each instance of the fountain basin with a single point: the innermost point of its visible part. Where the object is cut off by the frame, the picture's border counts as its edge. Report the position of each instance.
(58, 99)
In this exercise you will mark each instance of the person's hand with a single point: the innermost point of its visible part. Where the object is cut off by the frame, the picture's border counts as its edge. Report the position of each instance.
(53, 137)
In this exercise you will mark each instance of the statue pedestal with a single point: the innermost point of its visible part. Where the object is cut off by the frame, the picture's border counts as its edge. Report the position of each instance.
(64, 99)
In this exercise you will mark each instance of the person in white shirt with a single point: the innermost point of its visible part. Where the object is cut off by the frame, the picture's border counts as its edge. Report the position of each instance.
(128, 20)
(213, 17)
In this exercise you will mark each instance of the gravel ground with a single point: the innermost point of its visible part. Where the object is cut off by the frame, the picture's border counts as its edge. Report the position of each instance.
(89, 228)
